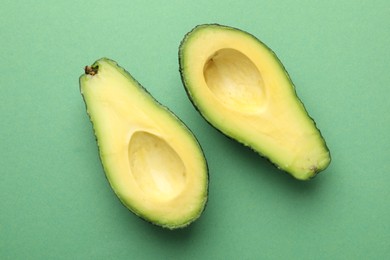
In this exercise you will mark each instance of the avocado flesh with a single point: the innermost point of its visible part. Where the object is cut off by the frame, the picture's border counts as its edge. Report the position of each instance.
(241, 88)
(152, 161)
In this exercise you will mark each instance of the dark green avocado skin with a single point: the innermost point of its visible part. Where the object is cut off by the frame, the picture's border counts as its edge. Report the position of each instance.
(184, 82)
(140, 216)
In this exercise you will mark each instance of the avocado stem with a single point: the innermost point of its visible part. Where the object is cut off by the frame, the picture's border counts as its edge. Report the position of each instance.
(91, 70)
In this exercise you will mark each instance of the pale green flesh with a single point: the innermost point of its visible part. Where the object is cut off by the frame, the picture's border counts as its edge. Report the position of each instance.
(152, 161)
(242, 89)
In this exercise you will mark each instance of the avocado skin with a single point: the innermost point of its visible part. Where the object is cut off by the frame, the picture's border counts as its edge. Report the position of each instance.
(184, 82)
(134, 210)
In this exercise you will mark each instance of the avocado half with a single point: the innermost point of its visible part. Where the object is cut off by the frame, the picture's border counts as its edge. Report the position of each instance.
(152, 161)
(241, 88)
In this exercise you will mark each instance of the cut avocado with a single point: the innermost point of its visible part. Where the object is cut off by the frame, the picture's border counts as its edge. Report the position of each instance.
(152, 161)
(241, 88)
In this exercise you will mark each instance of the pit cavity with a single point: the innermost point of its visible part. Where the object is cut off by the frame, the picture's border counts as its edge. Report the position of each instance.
(156, 167)
(235, 80)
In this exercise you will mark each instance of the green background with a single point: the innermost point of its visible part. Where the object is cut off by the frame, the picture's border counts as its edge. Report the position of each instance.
(55, 201)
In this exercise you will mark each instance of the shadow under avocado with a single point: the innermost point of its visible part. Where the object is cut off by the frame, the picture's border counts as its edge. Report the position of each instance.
(268, 172)
(176, 236)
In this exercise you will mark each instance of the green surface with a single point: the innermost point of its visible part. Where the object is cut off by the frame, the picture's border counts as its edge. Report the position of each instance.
(55, 202)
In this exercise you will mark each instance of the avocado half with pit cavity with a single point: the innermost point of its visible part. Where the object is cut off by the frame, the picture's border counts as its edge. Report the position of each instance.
(241, 88)
(152, 161)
